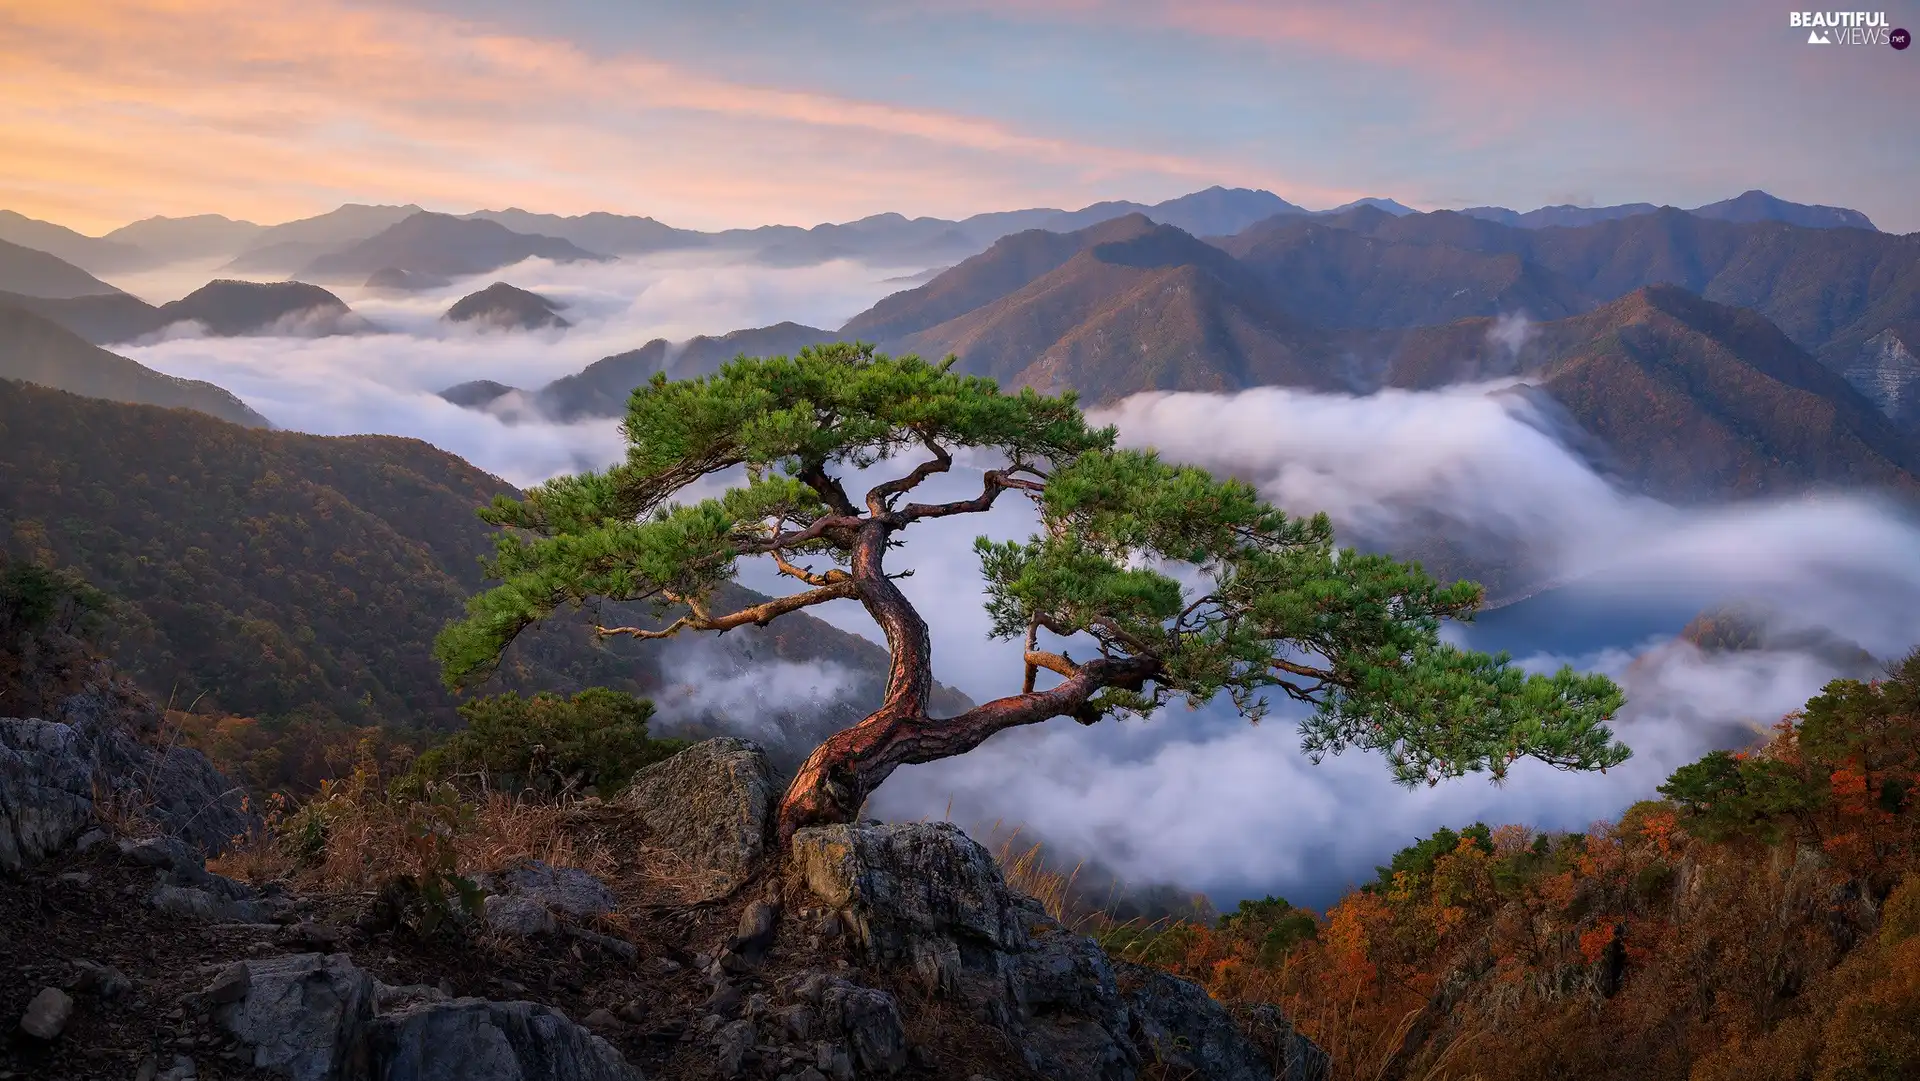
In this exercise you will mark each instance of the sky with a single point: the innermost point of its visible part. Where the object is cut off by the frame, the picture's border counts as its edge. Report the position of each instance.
(743, 112)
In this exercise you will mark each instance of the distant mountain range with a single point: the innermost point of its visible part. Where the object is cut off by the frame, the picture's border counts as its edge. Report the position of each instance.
(1749, 206)
(293, 247)
(440, 244)
(36, 273)
(36, 350)
(1712, 358)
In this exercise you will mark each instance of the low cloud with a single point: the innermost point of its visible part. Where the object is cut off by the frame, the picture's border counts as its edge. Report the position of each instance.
(389, 383)
(1511, 331)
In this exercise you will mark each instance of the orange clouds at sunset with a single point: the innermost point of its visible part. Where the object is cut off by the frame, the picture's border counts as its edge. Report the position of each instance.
(121, 108)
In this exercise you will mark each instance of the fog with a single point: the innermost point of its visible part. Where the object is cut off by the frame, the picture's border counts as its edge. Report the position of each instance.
(1201, 798)
(388, 382)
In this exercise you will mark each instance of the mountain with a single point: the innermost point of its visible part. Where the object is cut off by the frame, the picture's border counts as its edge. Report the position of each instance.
(36, 350)
(395, 280)
(1751, 206)
(1693, 400)
(274, 574)
(1390, 206)
(291, 245)
(601, 389)
(477, 393)
(101, 319)
(1144, 307)
(1561, 214)
(1830, 290)
(35, 273)
(229, 308)
(169, 240)
(1339, 272)
(612, 234)
(94, 254)
(506, 307)
(429, 243)
(1887, 372)
(1008, 265)
(1756, 205)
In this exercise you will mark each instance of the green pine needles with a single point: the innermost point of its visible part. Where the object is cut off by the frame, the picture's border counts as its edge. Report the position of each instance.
(1151, 581)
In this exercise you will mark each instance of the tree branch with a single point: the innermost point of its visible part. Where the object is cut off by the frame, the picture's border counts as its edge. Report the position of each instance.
(760, 614)
(996, 482)
(829, 489)
(880, 494)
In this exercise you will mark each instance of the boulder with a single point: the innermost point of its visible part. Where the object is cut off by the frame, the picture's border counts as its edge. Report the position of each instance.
(304, 1015)
(925, 898)
(47, 1014)
(711, 808)
(472, 1039)
(318, 1017)
(46, 790)
(101, 743)
(1181, 1026)
(569, 891)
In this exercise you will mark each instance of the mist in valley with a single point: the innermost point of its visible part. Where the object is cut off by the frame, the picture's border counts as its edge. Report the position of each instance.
(1200, 798)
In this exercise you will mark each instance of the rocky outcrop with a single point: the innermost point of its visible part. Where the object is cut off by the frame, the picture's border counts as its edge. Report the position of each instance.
(709, 808)
(1888, 373)
(472, 1039)
(926, 899)
(315, 1017)
(98, 757)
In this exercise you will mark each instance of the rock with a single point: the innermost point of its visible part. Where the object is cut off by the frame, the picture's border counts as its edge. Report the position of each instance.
(870, 1020)
(46, 790)
(76, 879)
(1295, 1057)
(710, 806)
(603, 1021)
(756, 927)
(103, 981)
(229, 986)
(47, 1014)
(725, 1000)
(303, 1015)
(618, 947)
(388, 997)
(309, 937)
(182, 1069)
(567, 890)
(926, 899)
(471, 1039)
(732, 1043)
(206, 906)
(522, 916)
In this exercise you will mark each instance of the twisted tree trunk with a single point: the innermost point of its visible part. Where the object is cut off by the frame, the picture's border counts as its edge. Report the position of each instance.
(837, 777)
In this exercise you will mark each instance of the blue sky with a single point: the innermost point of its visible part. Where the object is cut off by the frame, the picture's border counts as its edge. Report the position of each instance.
(740, 112)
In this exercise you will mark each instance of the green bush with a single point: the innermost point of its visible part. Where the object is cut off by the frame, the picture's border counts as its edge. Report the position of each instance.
(549, 745)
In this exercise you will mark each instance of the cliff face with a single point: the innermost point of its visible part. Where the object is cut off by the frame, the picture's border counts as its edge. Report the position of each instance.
(1887, 372)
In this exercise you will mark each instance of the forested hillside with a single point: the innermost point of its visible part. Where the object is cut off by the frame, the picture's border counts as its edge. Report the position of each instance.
(1761, 922)
(277, 575)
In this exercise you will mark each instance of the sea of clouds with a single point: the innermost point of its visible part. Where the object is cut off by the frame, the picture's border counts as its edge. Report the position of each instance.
(1201, 798)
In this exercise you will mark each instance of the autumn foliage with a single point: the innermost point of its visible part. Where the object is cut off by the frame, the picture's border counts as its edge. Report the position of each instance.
(1759, 923)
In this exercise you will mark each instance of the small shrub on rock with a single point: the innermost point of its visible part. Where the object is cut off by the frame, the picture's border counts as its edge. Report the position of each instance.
(547, 745)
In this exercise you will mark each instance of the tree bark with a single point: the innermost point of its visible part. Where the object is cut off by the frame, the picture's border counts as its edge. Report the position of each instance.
(837, 777)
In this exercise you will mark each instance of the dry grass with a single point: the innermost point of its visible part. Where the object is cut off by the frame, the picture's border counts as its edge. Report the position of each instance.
(355, 836)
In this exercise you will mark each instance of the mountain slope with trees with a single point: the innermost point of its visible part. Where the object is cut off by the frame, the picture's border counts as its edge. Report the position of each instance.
(37, 351)
(280, 575)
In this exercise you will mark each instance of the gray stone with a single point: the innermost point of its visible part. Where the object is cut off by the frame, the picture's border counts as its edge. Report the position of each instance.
(924, 898)
(732, 1043)
(303, 1015)
(103, 981)
(387, 997)
(567, 890)
(871, 1022)
(47, 1014)
(711, 807)
(182, 1069)
(46, 790)
(756, 927)
(471, 1039)
(603, 1021)
(522, 916)
(197, 903)
(1180, 1025)
(230, 985)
